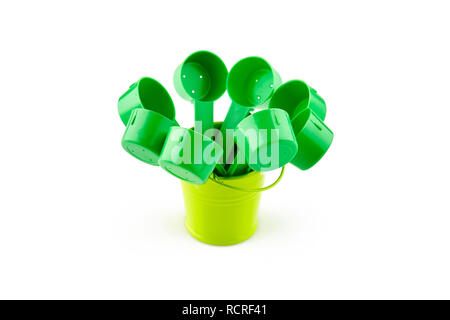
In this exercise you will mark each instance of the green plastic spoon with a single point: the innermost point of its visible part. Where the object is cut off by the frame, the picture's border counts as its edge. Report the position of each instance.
(201, 79)
(314, 139)
(189, 156)
(250, 84)
(268, 139)
(295, 96)
(149, 94)
(145, 135)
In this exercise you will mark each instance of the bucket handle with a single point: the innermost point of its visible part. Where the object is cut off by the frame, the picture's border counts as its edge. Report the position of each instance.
(214, 178)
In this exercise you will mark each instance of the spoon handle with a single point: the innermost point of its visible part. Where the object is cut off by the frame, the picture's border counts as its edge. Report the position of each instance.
(204, 115)
(236, 113)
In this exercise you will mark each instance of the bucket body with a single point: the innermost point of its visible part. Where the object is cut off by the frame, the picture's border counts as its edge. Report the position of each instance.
(219, 215)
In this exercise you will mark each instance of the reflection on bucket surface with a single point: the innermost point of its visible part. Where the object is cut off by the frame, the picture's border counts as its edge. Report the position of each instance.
(219, 215)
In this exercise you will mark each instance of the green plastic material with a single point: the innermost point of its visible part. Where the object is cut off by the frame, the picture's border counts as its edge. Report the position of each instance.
(201, 79)
(251, 83)
(218, 215)
(257, 145)
(149, 94)
(236, 167)
(313, 137)
(295, 96)
(182, 157)
(145, 135)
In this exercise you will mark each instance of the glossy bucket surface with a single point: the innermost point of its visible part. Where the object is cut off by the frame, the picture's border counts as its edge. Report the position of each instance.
(218, 215)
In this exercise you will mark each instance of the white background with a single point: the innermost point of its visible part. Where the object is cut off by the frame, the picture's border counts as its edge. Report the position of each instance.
(80, 218)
